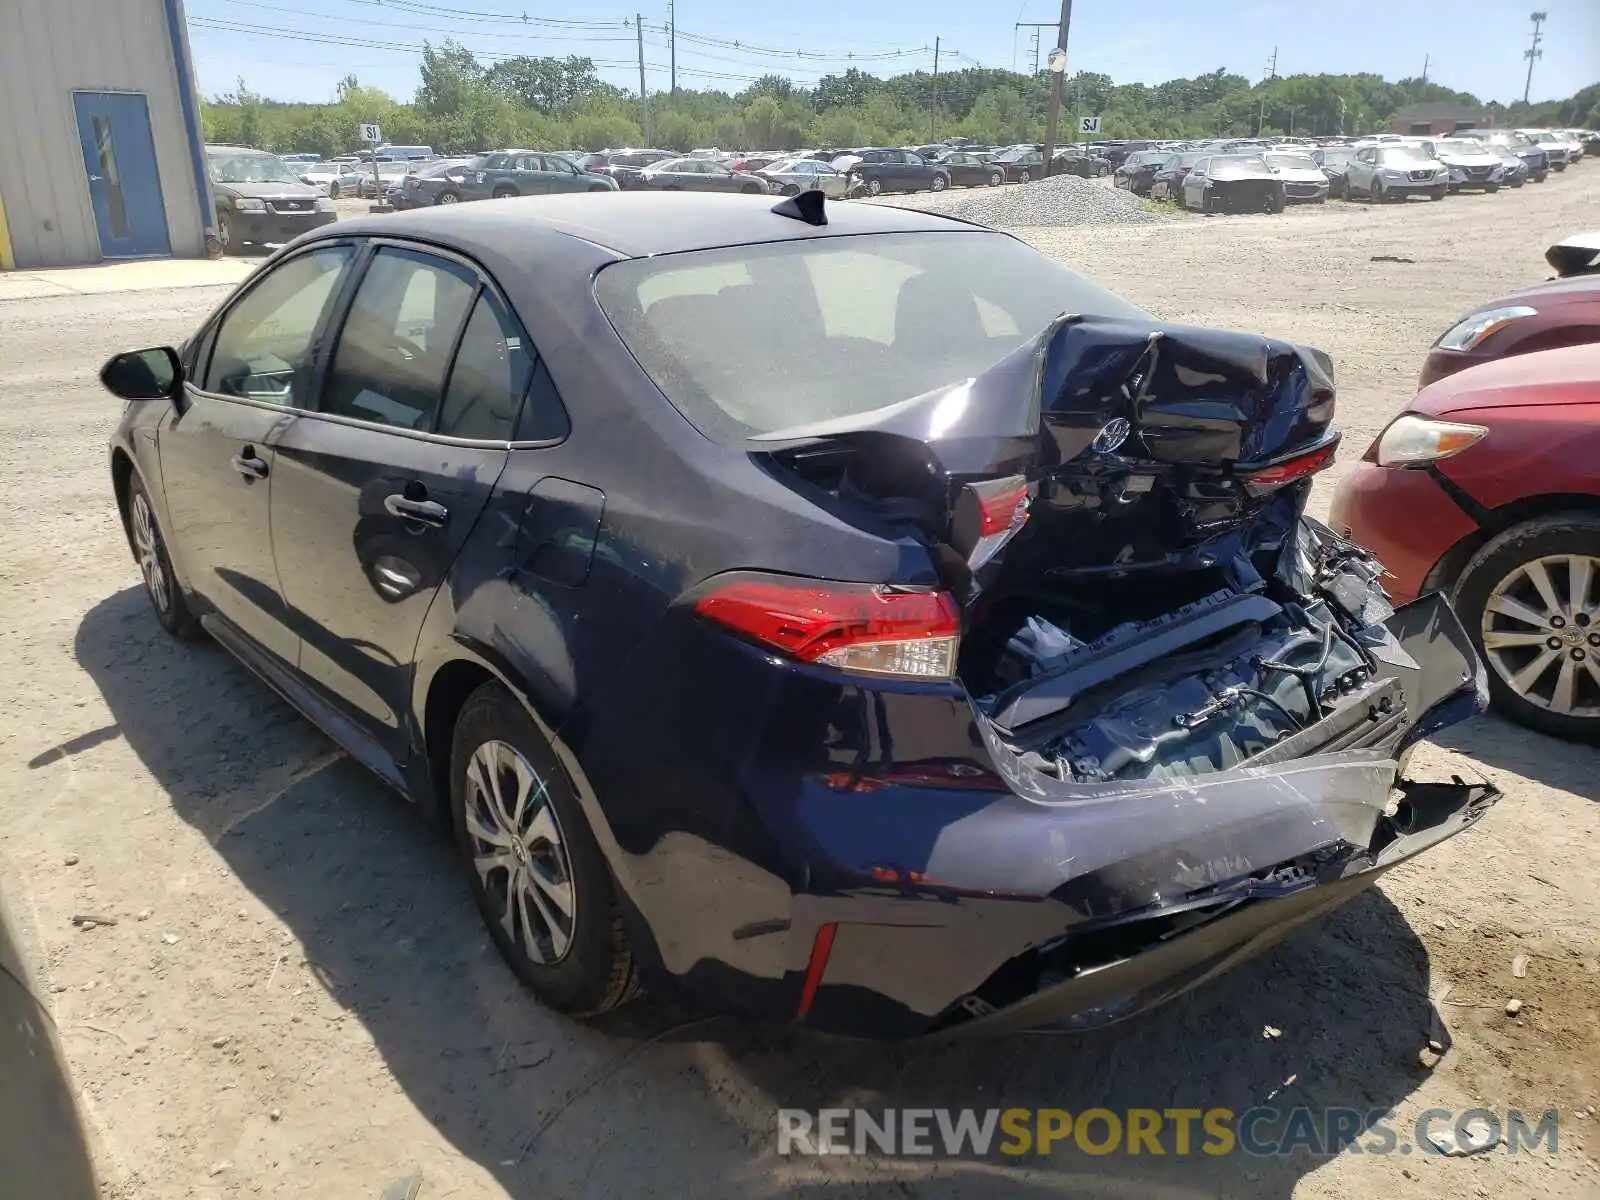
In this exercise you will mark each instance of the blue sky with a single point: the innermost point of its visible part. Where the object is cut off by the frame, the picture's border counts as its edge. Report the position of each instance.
(299, 49)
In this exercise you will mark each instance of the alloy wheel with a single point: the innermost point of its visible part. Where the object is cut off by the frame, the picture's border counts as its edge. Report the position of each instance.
(448, 198)
(519, 852)
(1541, 633)
(147, 550)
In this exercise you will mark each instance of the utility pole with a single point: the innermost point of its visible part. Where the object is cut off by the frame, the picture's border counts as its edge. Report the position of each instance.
(1272, 67)
(1427, 62)
(672, 44)
(1052, 120)
(1533, 52)
(1037, 27)
(644, 96)
(933, 109)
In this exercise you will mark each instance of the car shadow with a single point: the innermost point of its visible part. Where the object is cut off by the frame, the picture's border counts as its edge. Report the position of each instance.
(1496, 742)
(664, 1095)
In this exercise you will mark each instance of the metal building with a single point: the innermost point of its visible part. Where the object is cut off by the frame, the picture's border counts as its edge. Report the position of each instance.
(101, 154)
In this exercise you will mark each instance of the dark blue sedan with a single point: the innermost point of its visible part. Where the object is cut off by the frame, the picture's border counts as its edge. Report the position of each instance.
(837, 613)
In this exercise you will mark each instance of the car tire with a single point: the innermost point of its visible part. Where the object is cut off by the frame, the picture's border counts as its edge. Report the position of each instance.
(874, 187)
(149, 548)
(576, 961)
(225, 237)
(504, 192)
(1276, 203)
(753, 189)
(1491, 188)
(1377, 193)
(1539, 176)
(996, 178)
(333, 190)
(790, 189)
(448, 196)
(1208, 203)
(1500, 570)
(938, 183)
(1024, 176)
(1438, 193)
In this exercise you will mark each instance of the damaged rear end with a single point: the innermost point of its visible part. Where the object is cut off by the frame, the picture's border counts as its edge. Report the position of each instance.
(1192, 705)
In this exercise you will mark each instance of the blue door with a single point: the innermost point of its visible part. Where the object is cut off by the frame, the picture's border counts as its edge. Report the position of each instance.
(120, 159)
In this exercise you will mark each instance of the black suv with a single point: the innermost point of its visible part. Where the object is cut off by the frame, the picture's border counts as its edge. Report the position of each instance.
(883, 170)
(260, 199)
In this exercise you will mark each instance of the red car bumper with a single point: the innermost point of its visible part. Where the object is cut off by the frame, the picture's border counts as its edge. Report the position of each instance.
(1404, 517)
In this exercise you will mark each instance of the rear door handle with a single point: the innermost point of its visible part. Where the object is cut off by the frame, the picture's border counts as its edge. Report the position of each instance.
(424, 512)
(248, 465)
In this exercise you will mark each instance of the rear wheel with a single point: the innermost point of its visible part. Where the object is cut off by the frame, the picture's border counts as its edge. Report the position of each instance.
(1024, 176)
(1275, 202)
(874, 187)
(333, 190)
(504, 192)
(541, 883)
(938, 183)
(752, 189)
(448, 197)
(996, 178)
(1530, 599)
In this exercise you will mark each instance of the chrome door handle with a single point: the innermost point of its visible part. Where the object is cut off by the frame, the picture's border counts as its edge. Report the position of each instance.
(248, 465)
(424, 512)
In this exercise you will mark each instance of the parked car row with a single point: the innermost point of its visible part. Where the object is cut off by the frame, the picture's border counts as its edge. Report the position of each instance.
(1266, 176)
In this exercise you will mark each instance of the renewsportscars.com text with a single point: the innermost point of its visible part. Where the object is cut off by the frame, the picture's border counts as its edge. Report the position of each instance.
(1262, 1131)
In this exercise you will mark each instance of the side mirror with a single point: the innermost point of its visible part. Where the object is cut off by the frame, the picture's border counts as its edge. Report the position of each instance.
(154, 374)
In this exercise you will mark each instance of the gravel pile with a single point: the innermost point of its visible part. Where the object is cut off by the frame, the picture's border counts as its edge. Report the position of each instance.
(1064, 200)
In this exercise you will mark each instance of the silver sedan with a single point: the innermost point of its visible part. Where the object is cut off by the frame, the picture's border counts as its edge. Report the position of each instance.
(795, 175)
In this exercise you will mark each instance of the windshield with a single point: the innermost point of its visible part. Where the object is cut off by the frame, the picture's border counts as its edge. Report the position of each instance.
(873, 319)
(1238, 160)
(1405, 156)
(1461, 146)
(250, 168)
(1292, 162)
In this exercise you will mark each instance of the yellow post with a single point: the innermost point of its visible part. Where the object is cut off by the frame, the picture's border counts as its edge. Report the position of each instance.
(7, 262)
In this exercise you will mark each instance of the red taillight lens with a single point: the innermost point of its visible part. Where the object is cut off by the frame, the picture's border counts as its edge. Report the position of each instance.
(868, 628)
(1293, 468)
(998, 506)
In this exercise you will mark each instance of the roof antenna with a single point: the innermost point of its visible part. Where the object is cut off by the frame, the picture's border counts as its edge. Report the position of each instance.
(807, 206)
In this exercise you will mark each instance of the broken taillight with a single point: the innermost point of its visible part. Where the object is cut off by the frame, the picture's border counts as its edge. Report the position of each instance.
(987, 515)
(872, 629)
(1291, 469)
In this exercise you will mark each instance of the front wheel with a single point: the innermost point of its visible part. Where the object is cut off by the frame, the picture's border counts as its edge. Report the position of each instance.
(1491, 188)
(534, 867)
(333, 190)
(874, 187)
(504, 192)
(996, 178)
(1275, 202)
(790, 189)
(1438, 193)
(225, 231)
(1530, 599)
(448, 197)
(1377, 193)
(752, 189)
(155, 564)
(938, 183)
(1024, 176)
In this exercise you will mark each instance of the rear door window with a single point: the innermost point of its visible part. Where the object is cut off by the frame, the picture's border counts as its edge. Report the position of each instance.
(394, 348)
(489, 377)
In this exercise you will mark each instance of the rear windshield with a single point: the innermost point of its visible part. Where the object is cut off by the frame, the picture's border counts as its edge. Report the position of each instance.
(747, 340)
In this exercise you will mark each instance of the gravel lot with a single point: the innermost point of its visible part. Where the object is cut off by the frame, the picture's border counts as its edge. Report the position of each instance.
(1060, 202)
(298, 1000)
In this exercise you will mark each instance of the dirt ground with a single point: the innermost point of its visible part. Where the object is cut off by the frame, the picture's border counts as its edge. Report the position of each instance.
(298, 1000)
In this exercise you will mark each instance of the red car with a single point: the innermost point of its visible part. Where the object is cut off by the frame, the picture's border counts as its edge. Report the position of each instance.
(1488, 485)
(1564, 311)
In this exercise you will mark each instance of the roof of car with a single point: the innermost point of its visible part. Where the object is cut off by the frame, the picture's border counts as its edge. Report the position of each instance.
(636, 224)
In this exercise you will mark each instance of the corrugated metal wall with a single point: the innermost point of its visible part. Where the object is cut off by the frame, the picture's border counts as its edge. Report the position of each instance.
(48, 50)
